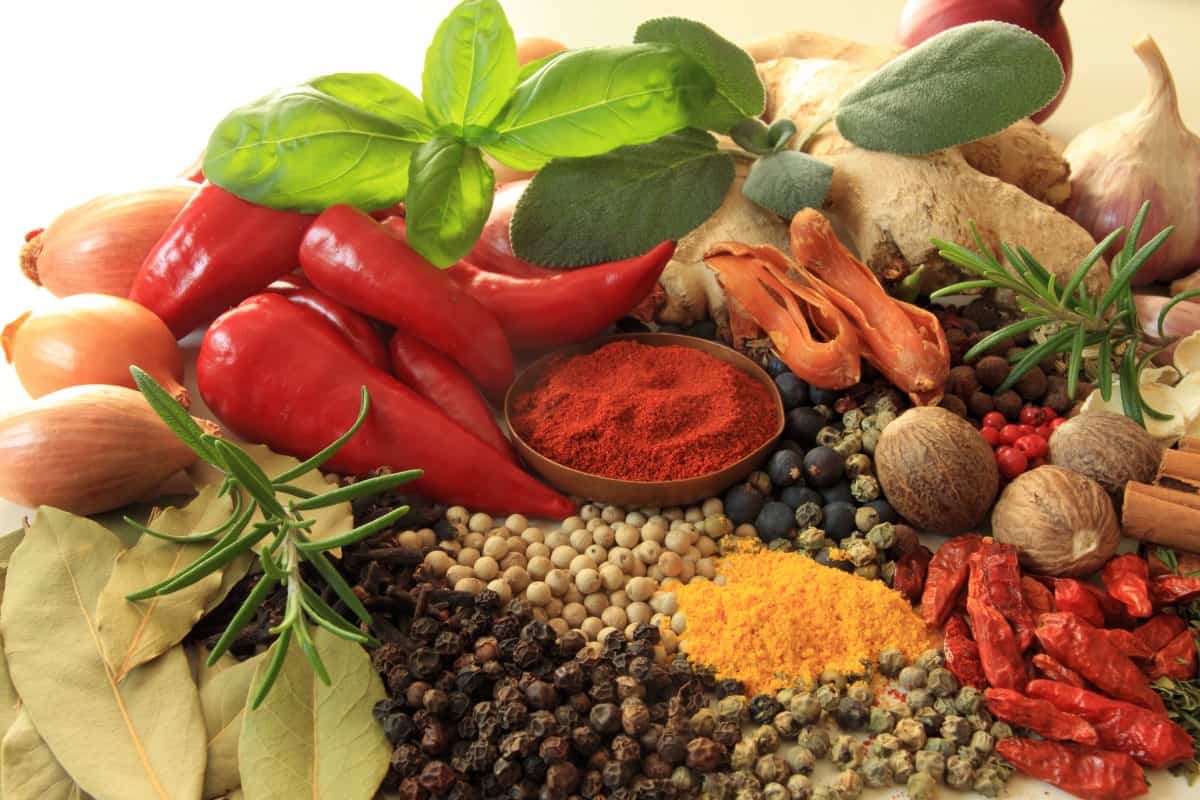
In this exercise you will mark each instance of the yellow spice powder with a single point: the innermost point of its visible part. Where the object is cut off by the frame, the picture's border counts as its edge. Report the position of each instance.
(782, 616)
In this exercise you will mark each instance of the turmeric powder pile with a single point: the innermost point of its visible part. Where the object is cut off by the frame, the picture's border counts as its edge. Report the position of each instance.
(782, 616)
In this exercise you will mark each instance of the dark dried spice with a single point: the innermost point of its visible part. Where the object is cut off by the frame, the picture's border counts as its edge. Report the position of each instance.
(436, 739)
(512, 715)
(728, 686)
(727, 733)
(385, 708)
(648, 739)
(489, 729)
(706, 755)
(656, 767)
(436, 702)
(628, 686)
(425, 664)
(554, 749)
(534, 767)
(567, 717)
(507, 627)
(580, 702)
(416, 693)
(540, 633)
(457, 706)
(672, 747)
(570, 677)
(561, 779)
(508, 647)
(487, 649)
(387, 657)
(488, 600)
(526, 654)
(625, 748)
(517, 745)
(542, 724)
(506, 690)
(462, 790)
(407, 760)
(424, 629)
(763, 708)
(399, 728)
(635, 716)
(448, 643)
(571, 643)
(640, 648)
(398, 681)
(540, 694)
(480, 756)
(411, 789)
(436, 777)
(506, 772)
(605, 718)
(592, 785)
(603, 692)
(618, 773)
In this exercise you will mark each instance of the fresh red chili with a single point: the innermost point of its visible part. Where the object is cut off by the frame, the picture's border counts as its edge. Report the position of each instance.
(218, 251)
(1173, 589)
(357, 330)
(1071, 596)
(353, 259)
(277, 374)
(1177, 659)
(911, 569)
(962, 654)
(1127, 578)
(1149, 737)
(1038, 598)
(1039, 716)
(999, 652)
(434, 376)
(1002, 577)
(1055, 670)
(1088, 651)
(1160, 630)
(948, 570)
(1085, 772)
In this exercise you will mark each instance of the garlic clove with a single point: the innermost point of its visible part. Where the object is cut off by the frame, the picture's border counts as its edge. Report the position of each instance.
(1160, 396)
(1187, 354)
(1187, 395)
(1167, 376)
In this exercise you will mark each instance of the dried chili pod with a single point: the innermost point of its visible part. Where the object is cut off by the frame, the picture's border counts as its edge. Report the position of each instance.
(1160, 630)
(1127, 578)
(947, 575)
(1055, 670)
(1177, 659)
(1174, 589)
(962, 654)
(1071, 596)
(1002, 577)
(999, 651)
(1038, 598)
(911, 571)
(1040, 716)
(1085, 772)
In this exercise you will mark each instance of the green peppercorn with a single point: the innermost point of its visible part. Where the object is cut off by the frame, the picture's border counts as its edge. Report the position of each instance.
(944, 706)
(956, 729)
(887, 572)
(811, 538)
(885, 412)
(801, 760)
(941, 682)
(884, 745)
(911, 734)
(786, 724)
(828, 436)
(1001, 730)
(848, 784)
(983, 741)
(968, 700)
(704, 722)
(785, 695)
(882, 535)
(1000, 765)
(815, 740)
(809, 515)
(771, 768)
(931, 762)
(881, 720)
(919, 699)
(901, 765)
(981, 720)
(775, 791)
(868, 571)
(800, 787)
(852, 420)
(972, 755)
(931, 720)
(921, 786)
(959, 772)
(912, 677)
(858, 464)
(766, 739)
(828, 697)
(861, 552)
(825, 793)
(805, 708)
(864, 488)
(877, 773)
(939, 745)
(989, 782)
(847, 751)
(834, 678)
(931, 659)
(734, 707)
(745, 753)
(891, 661)
(851, 714)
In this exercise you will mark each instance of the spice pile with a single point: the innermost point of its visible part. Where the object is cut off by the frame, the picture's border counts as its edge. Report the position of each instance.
(643, 413)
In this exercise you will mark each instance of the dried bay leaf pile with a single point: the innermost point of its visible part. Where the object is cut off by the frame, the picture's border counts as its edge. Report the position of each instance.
(100, 697)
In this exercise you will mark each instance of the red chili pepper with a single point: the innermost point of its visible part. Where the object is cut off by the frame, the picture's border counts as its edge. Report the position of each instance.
(1055, 670)
(1038, 598)
(1039, 716)
(357, 330)
(1085, 772)
(1089, 652)
(999, 652)
(274, 373)
(911, 569)
(1149, 737)
(1127, 579)
(1071, 596)
(1002, 577)
(493, 251)
(218, 251)
(1125, 642)
(429, 373)
(948, 570)
(1160, 630)
(352, 258)
(1177, 659)
(1174, 589)
(1114, 611)
(962, 654)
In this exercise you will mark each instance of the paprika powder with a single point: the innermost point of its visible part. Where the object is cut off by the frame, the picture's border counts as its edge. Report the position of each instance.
(645, 413)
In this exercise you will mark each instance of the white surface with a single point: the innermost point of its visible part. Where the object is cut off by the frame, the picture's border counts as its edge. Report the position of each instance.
(105, 96)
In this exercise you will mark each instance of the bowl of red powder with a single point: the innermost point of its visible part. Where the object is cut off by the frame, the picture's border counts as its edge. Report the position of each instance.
(644, 419)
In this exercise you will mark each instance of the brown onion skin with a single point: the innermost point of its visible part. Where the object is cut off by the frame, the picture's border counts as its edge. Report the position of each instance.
(922, 19)
(99, 246)
(92, 338)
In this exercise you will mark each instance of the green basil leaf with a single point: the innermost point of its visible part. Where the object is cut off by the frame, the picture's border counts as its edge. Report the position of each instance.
(471, 65)
(343, 138)
(788, 181)
(618, 205)
(739, 92)
(449, 200)
(588, 102)
(536, 64)
(967, 82)
(752, 135)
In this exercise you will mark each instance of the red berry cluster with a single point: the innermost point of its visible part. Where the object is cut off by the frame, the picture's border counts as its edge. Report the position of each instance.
(1024, 446)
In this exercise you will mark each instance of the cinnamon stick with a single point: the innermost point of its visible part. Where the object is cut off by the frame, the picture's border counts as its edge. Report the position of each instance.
(1189, 444)
(1180, 466)
(1164, 516)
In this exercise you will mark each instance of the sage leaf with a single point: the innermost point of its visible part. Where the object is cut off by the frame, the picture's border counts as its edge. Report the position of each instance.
(780, 133)
(143, 738)
(132, 633)
(587, 102)
(10, 703)
(450, 199)
(752, 135)
(967, 82)
(471, 65)
(738, 91)
(342, 138)
(584, 211)
(28, 770)
(223, 702)
(312, 740)
(788, 181)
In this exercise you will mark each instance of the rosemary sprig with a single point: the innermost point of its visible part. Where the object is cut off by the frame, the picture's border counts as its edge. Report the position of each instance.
(282, 506)
(1182, 699)
(1078, 319)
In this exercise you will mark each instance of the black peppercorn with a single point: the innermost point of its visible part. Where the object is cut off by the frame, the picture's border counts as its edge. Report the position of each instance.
(467, 728)
(407, 760)
(628, 687)
(507, 627)
(506, 772)
(672, 747)
(436, 702)
(507, 691)
(457, 705)
(411, 789)
(656, 767)
(487, 600)
(635, 716)
(398, 728)
(512, 715)
(517, 745)
(387, 657)
(534, 768)
(542, 724)
(480, 755)
(424, 629)
(425, 663)
(764, 707)
(706, 755)
(591, 785)
(448, 643)
(567, 717)
(436, 777)
(436, 739)
(540, 694)
(414, 695)
(526, 653)
(586, 740)
(539, 633)
(554, 749)
(728, 687)
(561, 779)
(625, 748)
(605, 718)
(603, 692)
(570, 677)
(851, 714)
(727, 733)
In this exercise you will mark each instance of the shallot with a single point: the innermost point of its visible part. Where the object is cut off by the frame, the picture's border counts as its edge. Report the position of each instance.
(1146, 154)
(92, 338)
(100, 246)
(88, 449)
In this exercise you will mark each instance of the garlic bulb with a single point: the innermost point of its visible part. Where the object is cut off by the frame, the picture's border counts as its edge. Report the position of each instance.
(1145, 154)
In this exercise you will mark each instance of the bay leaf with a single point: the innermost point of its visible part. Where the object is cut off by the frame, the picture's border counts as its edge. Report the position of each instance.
(28, 770)
(133, 632)
(141, 739)
(10, 703)
(223, 702)
(197, 656)
(312, 740)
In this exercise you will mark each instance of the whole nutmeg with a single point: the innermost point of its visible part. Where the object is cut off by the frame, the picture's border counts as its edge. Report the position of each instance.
(936, 470)
(1111, 449)
(1061, 522)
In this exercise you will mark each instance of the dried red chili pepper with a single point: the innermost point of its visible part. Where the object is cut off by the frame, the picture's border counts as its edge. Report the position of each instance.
(1114, 611)
(999, 652)
(1055, 670)
(1125, 642)
(1173, 589)
(1071, 596)
(1039, 716)
(946, 577)
(1038, 598)
(1177, 659)
(1002, 577)
(1127, 578)
(1089, 652)
(1085, 772)
(911, 569)
(1149, 737)
(962, 654)
(1160, 630)
(357, 330)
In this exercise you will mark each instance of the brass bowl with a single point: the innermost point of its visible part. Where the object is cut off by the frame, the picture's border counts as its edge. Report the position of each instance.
(641, 494)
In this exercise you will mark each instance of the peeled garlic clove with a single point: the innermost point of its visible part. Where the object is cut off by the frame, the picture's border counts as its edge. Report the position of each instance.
(1187, 394)
(1145, 154)
(1187, 354)
(1168, 376)
(1159, 396)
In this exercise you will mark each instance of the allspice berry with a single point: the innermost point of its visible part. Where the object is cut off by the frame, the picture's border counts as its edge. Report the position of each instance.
(962, 381)
(1009, 404)
(1032, 385)
(991, 371)
(980, 404)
